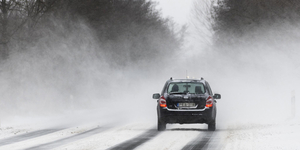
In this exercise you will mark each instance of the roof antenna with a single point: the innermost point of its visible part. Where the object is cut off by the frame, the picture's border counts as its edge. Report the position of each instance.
(171, 78)
(186, 74)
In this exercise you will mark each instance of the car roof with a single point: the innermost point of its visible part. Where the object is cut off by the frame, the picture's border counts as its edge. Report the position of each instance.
(187, 80)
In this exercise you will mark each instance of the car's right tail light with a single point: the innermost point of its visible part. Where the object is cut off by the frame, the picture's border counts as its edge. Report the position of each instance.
(162, 102)
(209, 101)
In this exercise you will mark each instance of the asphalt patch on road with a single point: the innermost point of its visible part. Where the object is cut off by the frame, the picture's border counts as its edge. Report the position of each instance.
(27, 136)
(201, 142)
(137, 141)
(60, 142)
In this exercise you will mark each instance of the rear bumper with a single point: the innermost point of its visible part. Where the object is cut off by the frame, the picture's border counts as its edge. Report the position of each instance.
(186, 116)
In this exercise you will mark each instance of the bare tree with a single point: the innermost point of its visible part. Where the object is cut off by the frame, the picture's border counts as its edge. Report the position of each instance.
(240, 17)
(203, 19)
(35, 10)
(18, 14)
(4, 23)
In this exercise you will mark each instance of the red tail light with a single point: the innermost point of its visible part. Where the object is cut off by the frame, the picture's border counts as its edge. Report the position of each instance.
(209, 101)
(162, 102)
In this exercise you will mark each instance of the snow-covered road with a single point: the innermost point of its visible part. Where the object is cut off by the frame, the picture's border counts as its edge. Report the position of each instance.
(143, 136)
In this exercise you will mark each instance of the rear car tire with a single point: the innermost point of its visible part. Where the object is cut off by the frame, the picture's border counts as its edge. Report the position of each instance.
(212, 126)
(161, 126)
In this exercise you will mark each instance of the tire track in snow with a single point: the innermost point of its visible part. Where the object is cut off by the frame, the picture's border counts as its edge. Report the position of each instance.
(135, 142)
(27, 136)
(200, 142)
(60, 142)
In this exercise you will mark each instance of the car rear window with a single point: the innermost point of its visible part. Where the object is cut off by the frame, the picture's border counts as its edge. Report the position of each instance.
(186, 87)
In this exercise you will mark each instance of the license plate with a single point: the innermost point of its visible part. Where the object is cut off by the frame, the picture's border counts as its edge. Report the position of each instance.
(185, 104)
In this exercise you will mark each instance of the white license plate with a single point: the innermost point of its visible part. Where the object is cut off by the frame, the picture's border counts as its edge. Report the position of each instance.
(185, 104)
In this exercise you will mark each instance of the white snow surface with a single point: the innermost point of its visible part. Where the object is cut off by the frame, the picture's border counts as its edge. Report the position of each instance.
(276, 136)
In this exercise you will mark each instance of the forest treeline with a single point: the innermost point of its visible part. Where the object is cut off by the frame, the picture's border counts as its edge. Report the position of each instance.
(231, 22)
(66, 54)
(237, 18)
(127, 30)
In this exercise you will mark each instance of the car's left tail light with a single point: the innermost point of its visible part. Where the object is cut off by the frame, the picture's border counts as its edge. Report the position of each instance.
(209, 101)
(162, 102)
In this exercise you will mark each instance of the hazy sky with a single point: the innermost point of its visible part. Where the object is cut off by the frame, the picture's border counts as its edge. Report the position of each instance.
(179, 10)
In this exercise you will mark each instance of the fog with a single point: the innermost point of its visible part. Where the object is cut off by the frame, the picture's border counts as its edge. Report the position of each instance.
(257, 75)
(69, 80)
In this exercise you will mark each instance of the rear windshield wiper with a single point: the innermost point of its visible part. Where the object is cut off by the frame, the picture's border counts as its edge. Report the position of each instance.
(177, 93)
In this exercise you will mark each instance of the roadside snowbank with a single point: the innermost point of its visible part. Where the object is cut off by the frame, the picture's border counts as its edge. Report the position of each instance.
(283, 136)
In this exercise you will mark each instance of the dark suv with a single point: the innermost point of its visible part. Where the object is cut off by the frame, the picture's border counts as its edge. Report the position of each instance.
(186, 101)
